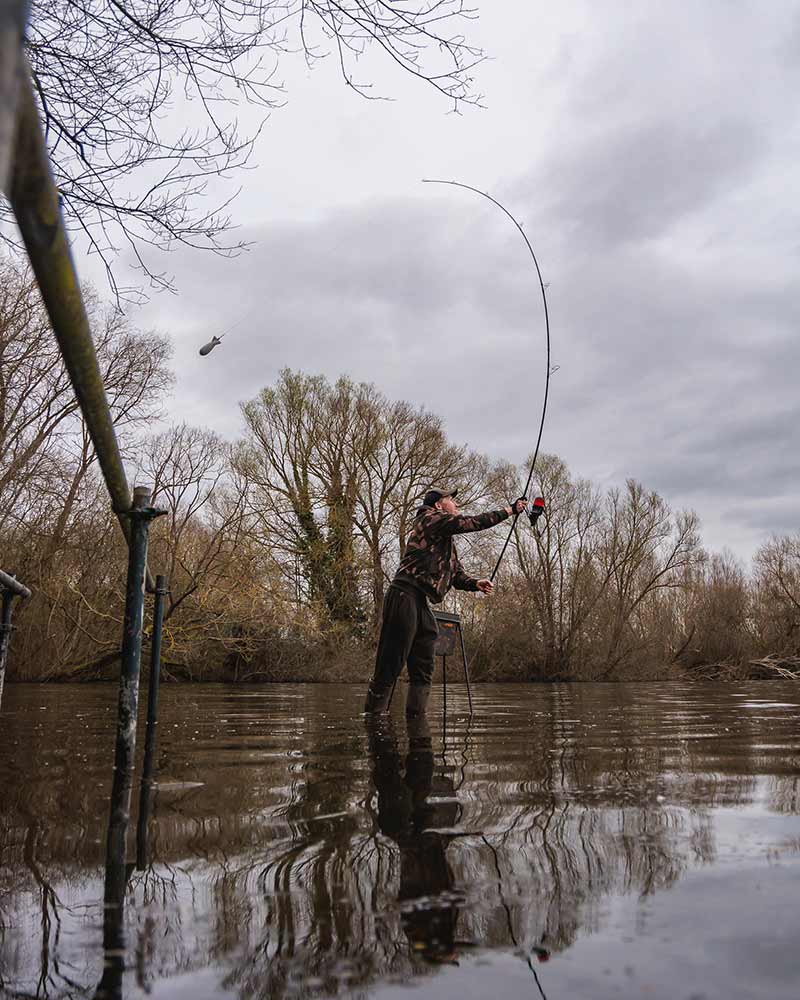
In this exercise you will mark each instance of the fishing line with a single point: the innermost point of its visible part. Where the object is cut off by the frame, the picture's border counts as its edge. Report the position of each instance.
(549, 369)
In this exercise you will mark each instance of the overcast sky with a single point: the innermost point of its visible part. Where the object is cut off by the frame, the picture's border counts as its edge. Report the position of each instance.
(650, 150)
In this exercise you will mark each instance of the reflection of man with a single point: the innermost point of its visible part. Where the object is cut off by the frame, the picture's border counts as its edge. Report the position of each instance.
(428, 569)
(407, 816)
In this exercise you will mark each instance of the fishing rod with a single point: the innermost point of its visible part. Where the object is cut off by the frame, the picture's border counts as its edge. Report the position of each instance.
(537, 508)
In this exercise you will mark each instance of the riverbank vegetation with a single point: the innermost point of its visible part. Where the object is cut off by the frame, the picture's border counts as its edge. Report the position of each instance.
(279, 545)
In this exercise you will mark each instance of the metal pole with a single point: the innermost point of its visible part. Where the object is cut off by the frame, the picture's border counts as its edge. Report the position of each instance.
(116, 882)
(146, 789)
(444, 703)
(36, 204)
(146, 786)
(11, 588)
(13, 17)
(155, 655)
(12, 583)
(140, 514)
(5, 636)
(466, 666)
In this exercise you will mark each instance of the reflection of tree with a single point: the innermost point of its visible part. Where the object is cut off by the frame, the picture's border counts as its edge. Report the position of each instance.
(51, 977)
(784, 794)
(118, 871)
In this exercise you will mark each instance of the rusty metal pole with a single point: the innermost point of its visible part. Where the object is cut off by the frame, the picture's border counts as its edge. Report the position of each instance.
(10, 588)
(5, 636)
(146, 786)
(155, 655)
(444, 704)
(140, 515)
(13, 18)
(466, 667)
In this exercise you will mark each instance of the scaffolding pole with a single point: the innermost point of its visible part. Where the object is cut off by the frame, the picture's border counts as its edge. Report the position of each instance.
(12, 584)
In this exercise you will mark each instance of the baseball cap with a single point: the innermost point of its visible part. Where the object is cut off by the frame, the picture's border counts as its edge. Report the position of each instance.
(435, 494)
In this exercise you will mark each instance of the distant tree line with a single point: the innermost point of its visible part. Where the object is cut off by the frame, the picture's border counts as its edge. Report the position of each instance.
(279, 546)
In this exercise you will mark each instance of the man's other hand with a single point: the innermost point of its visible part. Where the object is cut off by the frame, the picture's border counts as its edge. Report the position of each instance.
(518, 506)
(485, 586)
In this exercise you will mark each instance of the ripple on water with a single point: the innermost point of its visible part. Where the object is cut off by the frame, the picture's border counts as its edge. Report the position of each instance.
(285, 849)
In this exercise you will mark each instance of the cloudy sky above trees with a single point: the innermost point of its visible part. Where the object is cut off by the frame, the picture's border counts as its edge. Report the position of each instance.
(650, 151)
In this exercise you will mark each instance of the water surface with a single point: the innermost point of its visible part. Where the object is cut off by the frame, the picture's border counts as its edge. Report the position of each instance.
(584, 841)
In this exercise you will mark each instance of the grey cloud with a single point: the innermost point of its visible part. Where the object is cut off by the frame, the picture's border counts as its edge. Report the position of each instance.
(634, 183)
(669, 239)
(767, 516)
(451, 321)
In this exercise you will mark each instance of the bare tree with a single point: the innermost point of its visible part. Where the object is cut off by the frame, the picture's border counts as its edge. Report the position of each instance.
(777, 565)
(185, 465)
(279, 548)
(335, 473)
(221, 588)
(587, 593)
(38, 409)
(722, 612)
(55, 521)
(402, 452)
(559, 567)
(644, 549)
(114, 76)
(298, 461)
(35, 392)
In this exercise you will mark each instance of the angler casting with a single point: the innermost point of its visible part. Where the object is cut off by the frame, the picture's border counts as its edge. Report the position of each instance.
(428, 569)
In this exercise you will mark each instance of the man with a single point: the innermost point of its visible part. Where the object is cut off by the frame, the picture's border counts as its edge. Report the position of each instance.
(427, 570)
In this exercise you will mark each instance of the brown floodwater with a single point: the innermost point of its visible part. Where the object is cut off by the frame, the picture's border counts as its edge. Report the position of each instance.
(566, 842)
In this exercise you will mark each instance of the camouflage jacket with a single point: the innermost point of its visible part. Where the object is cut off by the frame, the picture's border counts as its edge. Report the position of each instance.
(430, 561)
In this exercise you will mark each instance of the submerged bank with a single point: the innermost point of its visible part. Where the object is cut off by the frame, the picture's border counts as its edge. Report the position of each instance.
(356, 668)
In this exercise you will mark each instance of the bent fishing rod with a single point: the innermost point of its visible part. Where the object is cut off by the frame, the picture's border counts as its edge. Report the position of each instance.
(538, 505)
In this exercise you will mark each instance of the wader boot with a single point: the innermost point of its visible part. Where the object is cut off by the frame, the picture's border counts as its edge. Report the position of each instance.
(417, 700)
(377, 699)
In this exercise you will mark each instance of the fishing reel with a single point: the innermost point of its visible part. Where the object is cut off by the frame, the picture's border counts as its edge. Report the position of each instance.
(535, 511)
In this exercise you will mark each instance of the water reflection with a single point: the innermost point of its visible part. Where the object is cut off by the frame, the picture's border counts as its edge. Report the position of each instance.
(284, 849)
(414, 806)
(118, 871)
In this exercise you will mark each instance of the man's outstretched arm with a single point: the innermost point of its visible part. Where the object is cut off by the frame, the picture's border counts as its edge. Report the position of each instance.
(461, 524)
